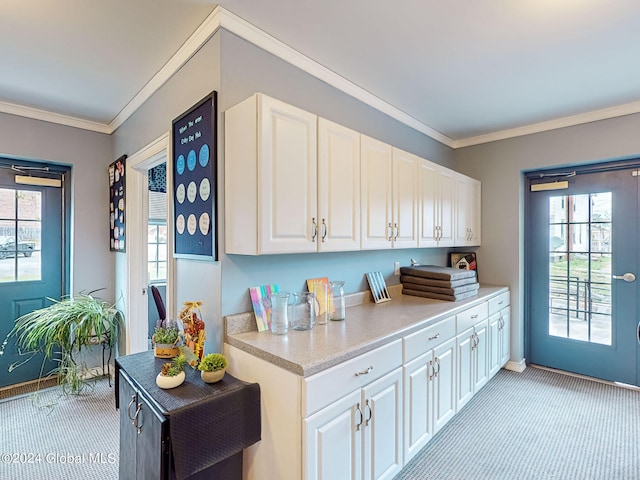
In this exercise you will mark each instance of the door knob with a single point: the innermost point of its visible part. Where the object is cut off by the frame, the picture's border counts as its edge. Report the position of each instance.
(627, 277)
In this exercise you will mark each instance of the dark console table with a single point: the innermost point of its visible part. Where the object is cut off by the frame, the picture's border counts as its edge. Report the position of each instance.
(195, 431)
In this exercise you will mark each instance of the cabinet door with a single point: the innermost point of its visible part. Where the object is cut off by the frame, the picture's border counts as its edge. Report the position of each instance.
(464, 360)
(428, 201)
(505, 336)
(447, 210)
(405, 199)
(376, 193)
(418, 400)
(338, 187)
(287, 178)
(333, 441)
(495, 354)
(383, 427)
(128, 403)
(481, 360)
(468, 211)
(444, 384)
(437, 205)
(152, 449)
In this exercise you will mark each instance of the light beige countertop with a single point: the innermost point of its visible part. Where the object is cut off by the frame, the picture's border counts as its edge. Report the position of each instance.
(366, 326)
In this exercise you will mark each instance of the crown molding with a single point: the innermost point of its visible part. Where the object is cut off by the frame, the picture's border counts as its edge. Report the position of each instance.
(263, 40)
(51, 117)
(188, 49)
(222, 18)
(570, 121)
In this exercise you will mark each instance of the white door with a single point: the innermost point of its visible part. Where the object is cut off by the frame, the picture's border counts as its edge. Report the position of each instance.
(405, 199)
(287, 178)
(444, 384)
(383, 427)
(333, 441)
(338, 187)
(376, 193)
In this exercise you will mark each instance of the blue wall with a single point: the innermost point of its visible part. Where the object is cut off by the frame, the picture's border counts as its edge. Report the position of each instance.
(247, 69)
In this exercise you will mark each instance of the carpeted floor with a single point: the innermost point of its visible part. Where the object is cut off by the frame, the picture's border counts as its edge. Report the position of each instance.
(537, 425)
(49, 436)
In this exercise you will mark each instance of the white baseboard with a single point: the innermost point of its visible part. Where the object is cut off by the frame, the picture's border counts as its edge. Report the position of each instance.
(516, 366)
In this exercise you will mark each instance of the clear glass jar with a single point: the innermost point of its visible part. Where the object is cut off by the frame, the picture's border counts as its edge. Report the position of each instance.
(279, 313)
(337, 299)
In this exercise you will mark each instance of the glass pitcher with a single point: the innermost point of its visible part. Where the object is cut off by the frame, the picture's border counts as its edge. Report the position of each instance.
(302, 310)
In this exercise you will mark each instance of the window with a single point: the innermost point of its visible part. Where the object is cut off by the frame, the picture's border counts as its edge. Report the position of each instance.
(157, 248)
(20, 227)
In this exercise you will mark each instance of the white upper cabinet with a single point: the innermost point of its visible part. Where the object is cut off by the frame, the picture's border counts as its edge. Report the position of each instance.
(376, 185)
(338, 187)
(405, 195)
(270, 178)
(436, 198)
(389, 192)
(468, 211)
(298, 183)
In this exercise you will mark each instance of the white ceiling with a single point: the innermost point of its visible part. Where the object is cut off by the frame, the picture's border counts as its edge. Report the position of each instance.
(470, 70)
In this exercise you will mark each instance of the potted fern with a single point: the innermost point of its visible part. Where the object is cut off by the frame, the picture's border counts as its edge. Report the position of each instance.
(212, 367)
(63, 330)
(172, 373)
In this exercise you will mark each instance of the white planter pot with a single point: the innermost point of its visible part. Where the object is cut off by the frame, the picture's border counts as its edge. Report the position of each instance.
(170, 382)
(212, 377)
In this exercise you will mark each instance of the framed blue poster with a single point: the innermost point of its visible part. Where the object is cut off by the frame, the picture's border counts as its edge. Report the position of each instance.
(194, 140)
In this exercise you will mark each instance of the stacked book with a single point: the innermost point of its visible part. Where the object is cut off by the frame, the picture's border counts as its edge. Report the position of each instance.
(443, 283)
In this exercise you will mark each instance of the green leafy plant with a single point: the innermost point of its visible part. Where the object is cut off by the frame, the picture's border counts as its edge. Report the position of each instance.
(166, 332)
(212, 362)
(173, 368)
(62, 330)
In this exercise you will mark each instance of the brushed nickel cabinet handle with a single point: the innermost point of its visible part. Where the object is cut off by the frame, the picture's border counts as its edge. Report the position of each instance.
(437, 335)
(365, 372)
(359, 412)
(314, 229)
(368, 407)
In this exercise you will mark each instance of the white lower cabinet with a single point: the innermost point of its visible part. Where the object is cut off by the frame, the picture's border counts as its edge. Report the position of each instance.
(358, 436)
(430, 400)
(472, 357)
(366, 417)
(499, 331)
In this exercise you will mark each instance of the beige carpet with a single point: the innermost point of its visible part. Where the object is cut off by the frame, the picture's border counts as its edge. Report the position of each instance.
(50, 436)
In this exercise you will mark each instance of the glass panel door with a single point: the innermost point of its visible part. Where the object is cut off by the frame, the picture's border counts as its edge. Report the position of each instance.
(581, 309)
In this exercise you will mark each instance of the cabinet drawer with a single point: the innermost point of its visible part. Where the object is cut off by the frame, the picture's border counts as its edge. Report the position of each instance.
(498, 303)
(471, 316)
(334, 383)
(429, 337)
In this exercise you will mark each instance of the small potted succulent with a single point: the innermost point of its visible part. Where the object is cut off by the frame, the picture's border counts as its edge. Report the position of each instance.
(165, 339)
(212, 367)
(172, 373)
